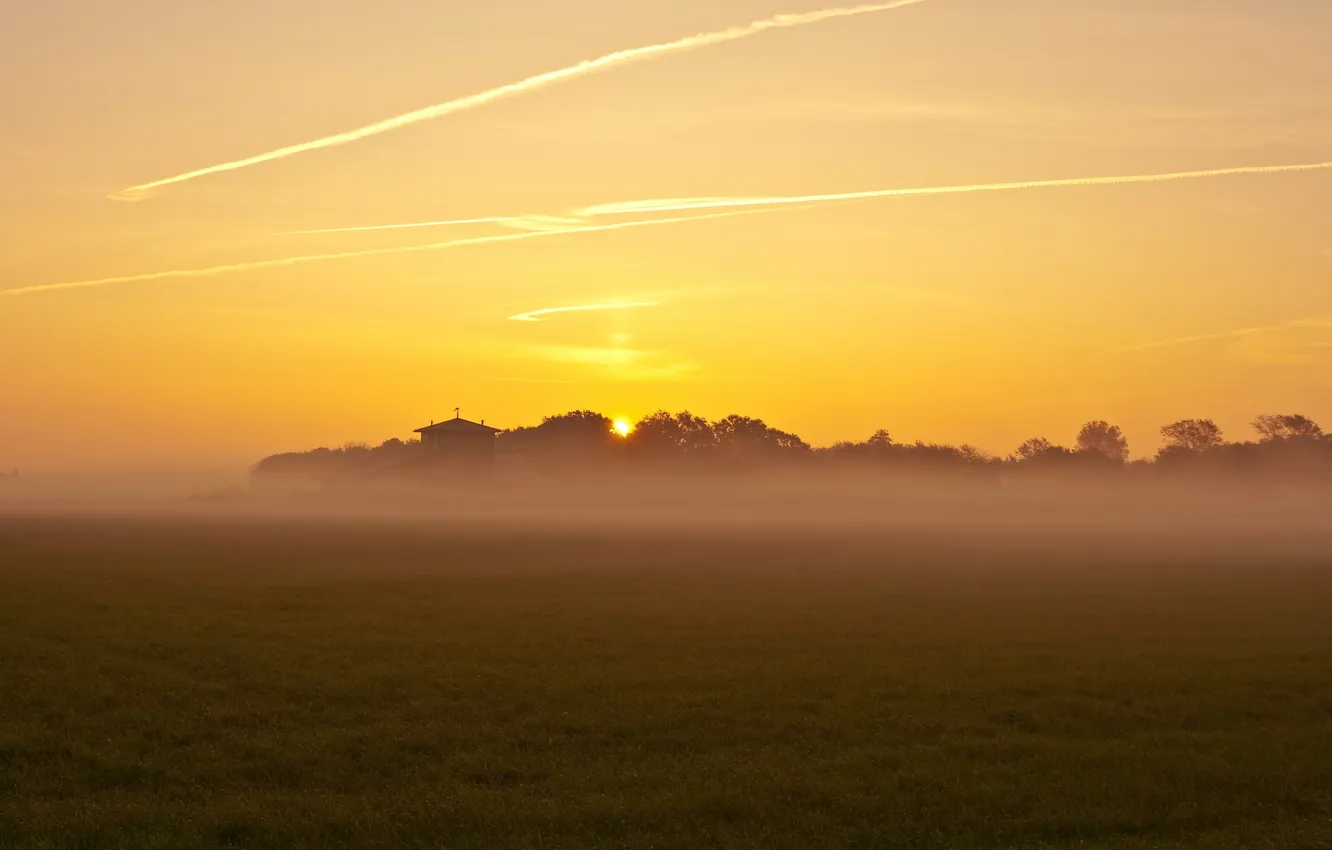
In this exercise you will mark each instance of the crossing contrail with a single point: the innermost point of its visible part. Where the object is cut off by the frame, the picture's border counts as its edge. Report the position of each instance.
(721, 207)
(544, 222)
(535, 315)
(255, 265)
(681, 204)
(589, 66)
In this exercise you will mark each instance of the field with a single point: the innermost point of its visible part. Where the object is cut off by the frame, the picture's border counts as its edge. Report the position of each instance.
(227, 682)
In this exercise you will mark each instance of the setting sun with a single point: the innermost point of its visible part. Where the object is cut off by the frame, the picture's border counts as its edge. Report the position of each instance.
(622, 427)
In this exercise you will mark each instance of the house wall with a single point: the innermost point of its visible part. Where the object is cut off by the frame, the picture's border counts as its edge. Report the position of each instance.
(462, 448)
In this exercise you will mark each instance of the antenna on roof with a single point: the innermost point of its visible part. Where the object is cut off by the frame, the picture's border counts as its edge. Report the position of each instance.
(457, 413)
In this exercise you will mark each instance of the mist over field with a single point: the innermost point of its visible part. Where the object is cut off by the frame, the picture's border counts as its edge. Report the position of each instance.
(693, 499)
(781, 663)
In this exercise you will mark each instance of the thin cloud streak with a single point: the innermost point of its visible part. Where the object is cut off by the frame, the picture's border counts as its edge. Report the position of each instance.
(658, 205)
(544, 222)
(535, 315)
(1212, 337)
(1235, 333)
(255, 265)
(453, 223)
(517, 222)
(682, 204)
(590, 66)
(745, 205)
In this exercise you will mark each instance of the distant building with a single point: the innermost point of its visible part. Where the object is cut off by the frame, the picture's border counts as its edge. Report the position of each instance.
(459, 444)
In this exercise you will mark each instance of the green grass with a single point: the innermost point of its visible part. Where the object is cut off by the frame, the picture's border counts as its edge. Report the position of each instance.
(181, 684)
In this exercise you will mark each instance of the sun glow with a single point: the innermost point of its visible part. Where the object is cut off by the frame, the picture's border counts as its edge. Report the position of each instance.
(622, 427)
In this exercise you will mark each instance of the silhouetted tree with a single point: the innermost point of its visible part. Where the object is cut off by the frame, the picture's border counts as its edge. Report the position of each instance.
(356, 455)
(1034, 448)
(741, 437)
(351, 459)
(1102, 438)
(581, 440)
(878, 450)
(394, 451)
(1292, 447)
(1040, 454)
(579, 432)
(936, 456)
(663, 435)
(1194, 435)
(580, 424)
(1287, 427)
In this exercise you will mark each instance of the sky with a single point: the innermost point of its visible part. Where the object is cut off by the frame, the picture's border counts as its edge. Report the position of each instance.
(983, 317)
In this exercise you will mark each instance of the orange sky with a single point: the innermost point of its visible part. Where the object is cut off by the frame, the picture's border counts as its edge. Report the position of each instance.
(985, 318)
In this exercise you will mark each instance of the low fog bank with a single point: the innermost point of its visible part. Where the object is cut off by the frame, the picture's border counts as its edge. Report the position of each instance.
(93, 489)
(581, 469)
(778, 500)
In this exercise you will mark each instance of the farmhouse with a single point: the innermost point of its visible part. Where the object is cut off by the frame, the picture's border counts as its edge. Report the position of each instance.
(459, 443)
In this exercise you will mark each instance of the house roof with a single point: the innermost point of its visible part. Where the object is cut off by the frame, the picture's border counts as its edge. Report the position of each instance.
(457, 425)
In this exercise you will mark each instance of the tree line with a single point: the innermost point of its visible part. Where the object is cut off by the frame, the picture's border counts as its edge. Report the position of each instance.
(586, 442)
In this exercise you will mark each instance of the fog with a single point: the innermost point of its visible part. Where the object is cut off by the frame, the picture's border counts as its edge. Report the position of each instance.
(767, 500)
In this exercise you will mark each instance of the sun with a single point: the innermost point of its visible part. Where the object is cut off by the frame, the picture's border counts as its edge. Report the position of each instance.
(622, 427)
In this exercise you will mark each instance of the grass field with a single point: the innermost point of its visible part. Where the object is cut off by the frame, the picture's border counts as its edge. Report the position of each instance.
(247, 683)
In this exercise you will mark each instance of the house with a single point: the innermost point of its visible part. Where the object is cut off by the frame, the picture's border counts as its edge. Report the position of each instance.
(459, 443)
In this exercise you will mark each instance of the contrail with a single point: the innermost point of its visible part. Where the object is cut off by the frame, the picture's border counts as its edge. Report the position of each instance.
(681, 204)
(517, 222)
(535, 315)
(589, 66)
(213, 271)
(1188, 340)
(671, 205)
(659, 205)
(1295, 324)
(544, 222)
(452, 223)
